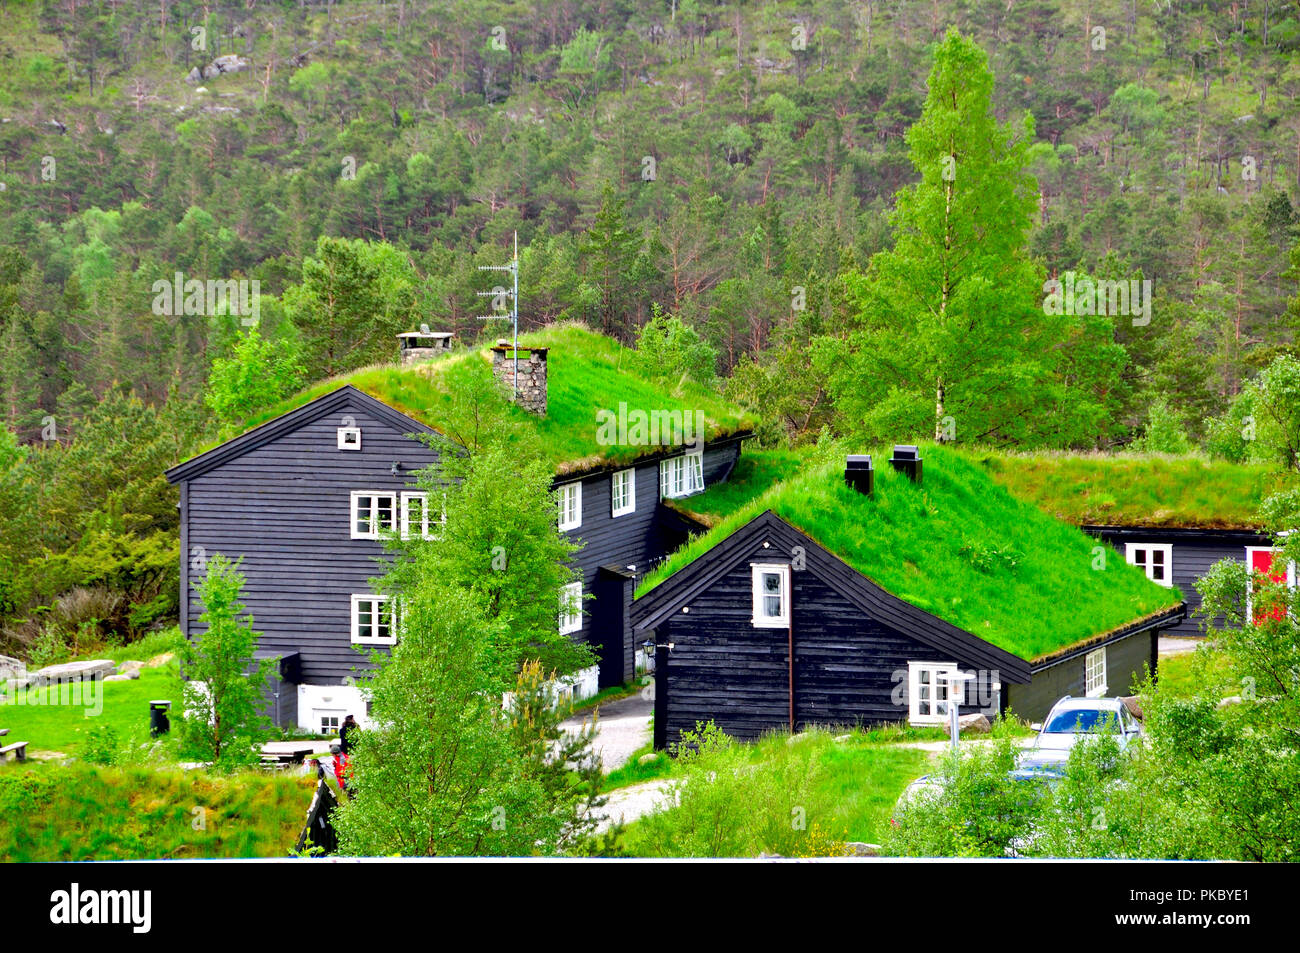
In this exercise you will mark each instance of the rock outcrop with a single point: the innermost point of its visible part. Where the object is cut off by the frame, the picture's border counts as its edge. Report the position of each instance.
(230, 63)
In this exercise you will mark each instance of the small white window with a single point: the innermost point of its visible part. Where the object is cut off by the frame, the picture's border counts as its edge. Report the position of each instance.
(622, 491)
(329, 721)
(374, 514)
(416, 519)
(1154, 559)
(771, 596)
(1094, 667)
(372, 620)
(349, 438)
(571, 608)
(681, 476)
(571, 506)
(928, 691)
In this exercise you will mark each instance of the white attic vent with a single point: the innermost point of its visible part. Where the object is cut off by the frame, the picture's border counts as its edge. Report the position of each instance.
(349, 438)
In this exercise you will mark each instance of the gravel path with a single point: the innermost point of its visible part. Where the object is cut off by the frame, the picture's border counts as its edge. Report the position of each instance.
(622, 727)
(629, 803)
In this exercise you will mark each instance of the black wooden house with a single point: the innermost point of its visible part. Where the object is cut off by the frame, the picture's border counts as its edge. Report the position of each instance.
(305, 498)
(831, 601)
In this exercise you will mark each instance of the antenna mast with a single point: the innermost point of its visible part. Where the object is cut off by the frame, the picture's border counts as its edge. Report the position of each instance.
(513, 268)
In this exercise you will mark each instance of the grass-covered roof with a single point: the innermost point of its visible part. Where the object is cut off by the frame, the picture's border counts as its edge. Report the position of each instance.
(960, 547)
(586, 372)
(755, 472)
(1136, 489)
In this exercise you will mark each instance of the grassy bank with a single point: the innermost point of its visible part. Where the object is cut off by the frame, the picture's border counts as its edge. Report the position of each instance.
(54, 812)
(795, 797)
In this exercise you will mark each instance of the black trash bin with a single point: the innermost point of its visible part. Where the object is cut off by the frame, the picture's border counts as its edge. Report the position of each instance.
(159, 723)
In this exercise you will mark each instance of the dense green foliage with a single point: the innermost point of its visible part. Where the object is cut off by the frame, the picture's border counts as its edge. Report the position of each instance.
(220, 720)
(796, 796)
(751, 185)
(960, 547)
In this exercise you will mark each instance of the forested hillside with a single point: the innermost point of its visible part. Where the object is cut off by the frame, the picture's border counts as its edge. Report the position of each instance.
(732, 166)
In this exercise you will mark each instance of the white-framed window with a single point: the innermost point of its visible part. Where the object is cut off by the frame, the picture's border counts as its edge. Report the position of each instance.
(771, 595)
(1094, 673)
(416, 519)
(374, 514)
(571, 608)
(1260, 559)
(372, 620)
(681, 476)
(928, 691)
(1154, 559)
(571, 505)
(622, 492)
(328, 720)
(349, 438)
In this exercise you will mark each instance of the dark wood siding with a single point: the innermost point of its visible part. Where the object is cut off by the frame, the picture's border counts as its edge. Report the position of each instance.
(629, 540)
(1192, 559)
(849, 668)
(1127, 660)
(285, 508)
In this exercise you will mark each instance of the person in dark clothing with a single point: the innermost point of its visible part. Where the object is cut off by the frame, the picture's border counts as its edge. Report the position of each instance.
(349, 725)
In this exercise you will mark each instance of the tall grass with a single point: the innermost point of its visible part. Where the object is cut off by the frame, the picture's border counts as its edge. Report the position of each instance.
(795, 796)
(79, 812)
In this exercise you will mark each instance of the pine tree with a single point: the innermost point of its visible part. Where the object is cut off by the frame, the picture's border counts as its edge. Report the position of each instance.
(951, 338)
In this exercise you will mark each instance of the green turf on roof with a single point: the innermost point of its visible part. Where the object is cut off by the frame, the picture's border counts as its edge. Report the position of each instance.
(1136, 489)
(755, 472)
(586, 372)
(960, 547)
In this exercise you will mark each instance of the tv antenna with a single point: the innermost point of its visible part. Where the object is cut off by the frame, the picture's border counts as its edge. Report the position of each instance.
(497, 294)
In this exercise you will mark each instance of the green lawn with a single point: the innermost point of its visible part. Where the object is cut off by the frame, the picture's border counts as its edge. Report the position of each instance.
(51, 812)
(860, 784)
(64, 728)
(1205, 670)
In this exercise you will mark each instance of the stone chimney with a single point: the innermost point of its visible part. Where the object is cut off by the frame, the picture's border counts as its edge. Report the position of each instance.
(416, 346)
(530, 392)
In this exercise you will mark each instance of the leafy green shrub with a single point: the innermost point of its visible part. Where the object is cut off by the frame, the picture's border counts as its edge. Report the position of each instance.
(102, 744)
(974, 809)
(727, 806)
(48, 648)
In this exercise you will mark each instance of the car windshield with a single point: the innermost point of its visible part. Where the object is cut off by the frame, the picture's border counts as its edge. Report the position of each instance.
(1081, 719)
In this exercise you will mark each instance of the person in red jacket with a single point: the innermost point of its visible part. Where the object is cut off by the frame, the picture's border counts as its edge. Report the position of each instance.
(342, 768)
